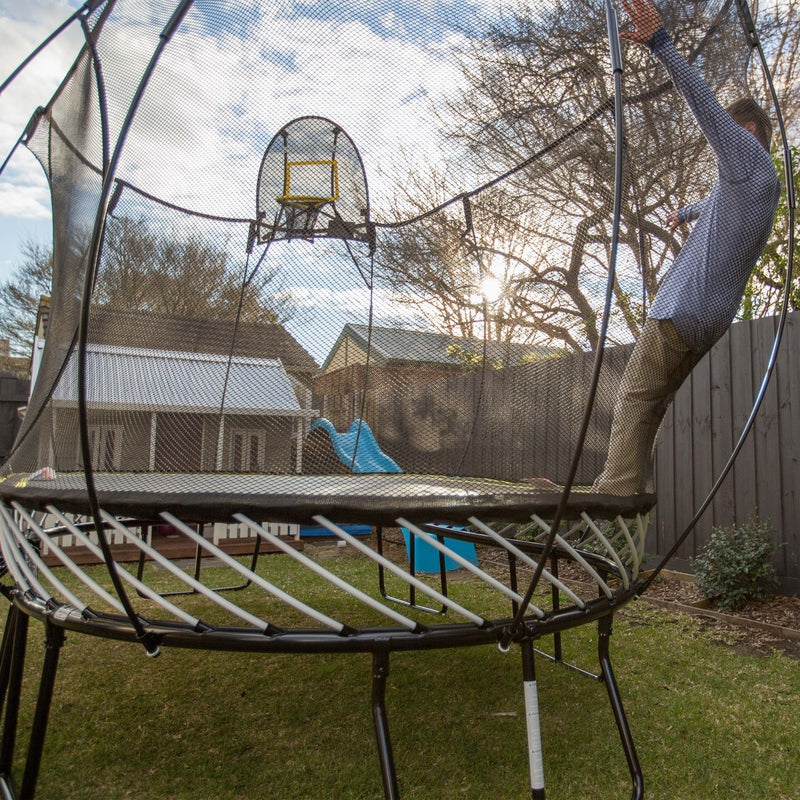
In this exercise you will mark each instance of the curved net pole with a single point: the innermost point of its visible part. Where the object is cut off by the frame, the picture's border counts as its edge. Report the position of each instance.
(149, 640)
(82, 14)
(84, 11)
(755, 43)
(616, 64)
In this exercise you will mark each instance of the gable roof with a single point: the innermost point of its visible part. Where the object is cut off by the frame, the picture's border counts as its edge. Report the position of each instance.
(401, 346)
(140, 329)
(167, 380)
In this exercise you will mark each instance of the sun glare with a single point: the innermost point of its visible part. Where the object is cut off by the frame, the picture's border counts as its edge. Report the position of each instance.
(491, 289)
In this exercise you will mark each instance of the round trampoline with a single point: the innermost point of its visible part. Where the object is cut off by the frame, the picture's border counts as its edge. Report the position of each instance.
(439, 355)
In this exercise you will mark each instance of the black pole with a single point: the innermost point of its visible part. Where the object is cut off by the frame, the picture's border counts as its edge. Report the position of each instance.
(149, 641)
(82, 12)
(380, 672)
(54, 639)
(532, 720)
(604, 626)
(619, 154)
(6, 650)
(19, 641)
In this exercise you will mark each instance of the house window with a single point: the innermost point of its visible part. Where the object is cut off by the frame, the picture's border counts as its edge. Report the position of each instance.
(248, 450)
(105, 445)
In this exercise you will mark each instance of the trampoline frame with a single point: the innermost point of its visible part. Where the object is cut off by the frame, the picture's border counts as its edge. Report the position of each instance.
(379, 642)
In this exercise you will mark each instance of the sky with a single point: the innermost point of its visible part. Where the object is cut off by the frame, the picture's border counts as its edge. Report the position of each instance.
(392, 38)
(374, 66)
(24, 196)
(377, 67)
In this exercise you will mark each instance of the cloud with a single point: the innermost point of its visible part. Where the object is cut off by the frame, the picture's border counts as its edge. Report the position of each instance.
(28, 201)
(233, 74)
(22, 28)
(225, 85)
(215, 102)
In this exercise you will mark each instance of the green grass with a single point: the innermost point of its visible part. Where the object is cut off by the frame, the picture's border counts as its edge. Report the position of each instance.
(708, 722)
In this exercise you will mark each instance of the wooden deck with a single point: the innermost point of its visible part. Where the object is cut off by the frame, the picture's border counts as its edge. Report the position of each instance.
(172, 547)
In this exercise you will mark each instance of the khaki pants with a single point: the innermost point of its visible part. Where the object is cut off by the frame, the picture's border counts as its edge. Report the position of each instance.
(659, 364)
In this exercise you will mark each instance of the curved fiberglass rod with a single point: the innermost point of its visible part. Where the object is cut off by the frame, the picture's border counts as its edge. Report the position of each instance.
(148, 639)
(616, 65)
(750, 31)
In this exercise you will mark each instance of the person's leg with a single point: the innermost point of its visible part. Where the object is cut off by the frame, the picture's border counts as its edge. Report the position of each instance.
(658, 365)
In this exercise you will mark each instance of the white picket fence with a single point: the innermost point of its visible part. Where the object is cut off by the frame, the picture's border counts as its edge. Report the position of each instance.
(218, 533)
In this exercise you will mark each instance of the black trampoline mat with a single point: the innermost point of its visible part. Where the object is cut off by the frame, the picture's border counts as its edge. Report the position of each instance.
(375, 499)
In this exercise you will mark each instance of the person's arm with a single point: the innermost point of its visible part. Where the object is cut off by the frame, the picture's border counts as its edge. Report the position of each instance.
(692, 211)
(688, 213)
(733, 146)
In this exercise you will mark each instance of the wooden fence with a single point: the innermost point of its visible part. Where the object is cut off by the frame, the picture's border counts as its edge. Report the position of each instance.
(701, 429)
(510, 424)
(523, 421)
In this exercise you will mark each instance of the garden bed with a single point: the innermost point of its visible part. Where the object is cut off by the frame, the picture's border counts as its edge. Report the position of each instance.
(764, 626)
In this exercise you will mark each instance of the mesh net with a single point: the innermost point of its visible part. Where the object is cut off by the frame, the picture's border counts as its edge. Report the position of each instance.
(247, 286)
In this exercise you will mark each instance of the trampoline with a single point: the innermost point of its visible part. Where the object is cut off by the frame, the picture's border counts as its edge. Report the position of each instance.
(193, 341)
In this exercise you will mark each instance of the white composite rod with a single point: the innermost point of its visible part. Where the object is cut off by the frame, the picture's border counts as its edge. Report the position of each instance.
(188, 579)
(623, 573)
(329, 576)
(463, 562)
(525, 558)
(69, 563)
(11, 551)
(399, 572)
(143, 588)
(18, 540)
(576, 556)
(31, 553)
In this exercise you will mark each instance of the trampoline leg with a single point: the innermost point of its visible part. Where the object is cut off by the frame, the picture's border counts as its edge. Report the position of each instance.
(380, 672)
(15, 642)
(535, 759)
(604, 635)
(54, 639)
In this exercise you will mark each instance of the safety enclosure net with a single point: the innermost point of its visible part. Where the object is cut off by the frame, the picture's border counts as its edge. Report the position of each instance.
(296, 243)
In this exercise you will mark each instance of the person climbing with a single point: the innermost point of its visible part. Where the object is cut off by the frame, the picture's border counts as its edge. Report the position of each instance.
(703, 287)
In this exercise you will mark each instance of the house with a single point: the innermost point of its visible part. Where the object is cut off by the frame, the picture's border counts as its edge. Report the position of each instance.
(155, 331)
(409, 356)
(168, 393)
(206, 335)
(173, 411)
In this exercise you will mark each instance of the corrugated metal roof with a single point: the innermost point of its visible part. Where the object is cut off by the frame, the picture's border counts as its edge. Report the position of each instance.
(127, 377)
(147, 330)
(401, 345)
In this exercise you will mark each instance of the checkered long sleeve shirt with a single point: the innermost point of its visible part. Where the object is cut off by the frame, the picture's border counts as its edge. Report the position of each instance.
(702, 289)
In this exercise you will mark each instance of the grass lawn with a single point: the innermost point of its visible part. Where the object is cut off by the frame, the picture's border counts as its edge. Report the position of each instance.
(708, 722)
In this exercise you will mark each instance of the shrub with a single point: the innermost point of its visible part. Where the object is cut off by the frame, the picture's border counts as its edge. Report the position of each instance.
(735, 565)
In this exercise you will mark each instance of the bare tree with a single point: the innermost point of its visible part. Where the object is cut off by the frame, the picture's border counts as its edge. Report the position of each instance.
(141, 270)
(538, 93)
(20, 296)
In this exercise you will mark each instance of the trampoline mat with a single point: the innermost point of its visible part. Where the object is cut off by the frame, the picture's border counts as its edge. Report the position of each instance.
(375, 499)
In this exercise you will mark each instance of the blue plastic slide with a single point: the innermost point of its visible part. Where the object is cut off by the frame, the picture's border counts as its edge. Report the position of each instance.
(360, 440)
(369, 458)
